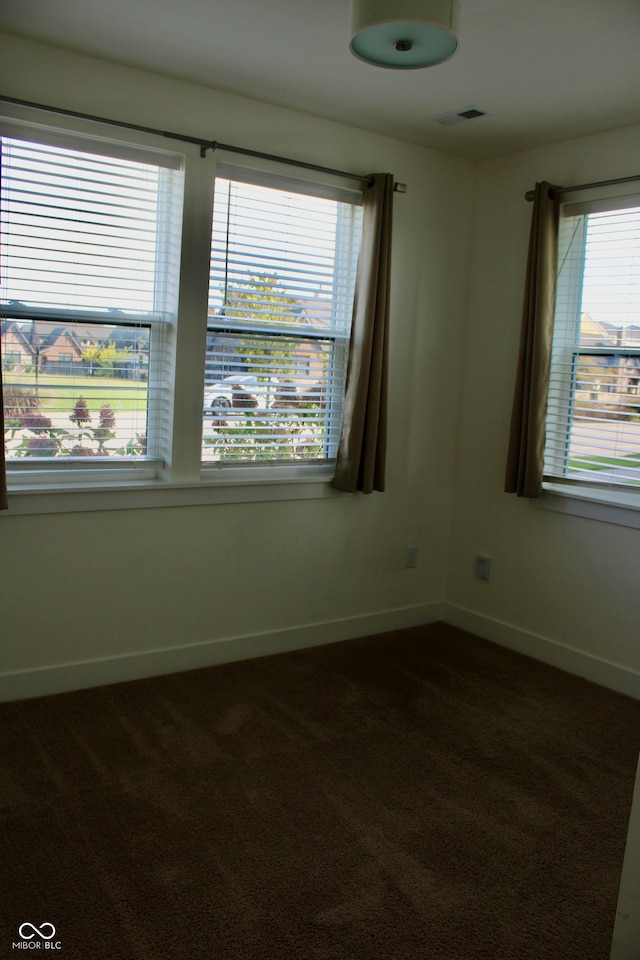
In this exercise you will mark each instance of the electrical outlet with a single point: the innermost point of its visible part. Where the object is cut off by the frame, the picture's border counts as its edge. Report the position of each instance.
(483, 567)
(411, 558)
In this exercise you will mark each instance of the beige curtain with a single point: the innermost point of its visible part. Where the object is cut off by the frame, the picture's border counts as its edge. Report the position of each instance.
(360, 462)
(525, 458)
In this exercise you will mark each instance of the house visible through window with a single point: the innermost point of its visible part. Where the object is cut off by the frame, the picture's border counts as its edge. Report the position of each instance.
(593, 419)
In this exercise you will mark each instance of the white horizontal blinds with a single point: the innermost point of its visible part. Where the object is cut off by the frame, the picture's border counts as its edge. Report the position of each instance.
(89, 260)
(272, 398)
(85, 232)
(282, 278)
(593, 423)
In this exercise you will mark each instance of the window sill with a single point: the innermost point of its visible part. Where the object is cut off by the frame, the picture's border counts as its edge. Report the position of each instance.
(607, 506)
(239, 487)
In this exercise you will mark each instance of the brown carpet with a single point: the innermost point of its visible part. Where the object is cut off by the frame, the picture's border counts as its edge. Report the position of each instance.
(421, 794)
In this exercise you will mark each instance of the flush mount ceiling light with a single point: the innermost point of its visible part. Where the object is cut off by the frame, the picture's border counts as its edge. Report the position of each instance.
(404, 34)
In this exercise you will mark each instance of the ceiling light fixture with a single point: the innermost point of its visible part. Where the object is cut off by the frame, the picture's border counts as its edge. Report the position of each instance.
(404, 34)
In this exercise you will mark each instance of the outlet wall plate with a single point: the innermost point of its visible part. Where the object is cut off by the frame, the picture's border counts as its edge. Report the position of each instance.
(411, 558)
(483, 567)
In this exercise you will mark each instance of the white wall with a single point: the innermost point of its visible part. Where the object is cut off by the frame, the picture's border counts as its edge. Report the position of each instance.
(110, 591)
(558, 582)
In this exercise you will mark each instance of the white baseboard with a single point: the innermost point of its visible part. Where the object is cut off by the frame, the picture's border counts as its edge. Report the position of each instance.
(581, 664)
(59, 678)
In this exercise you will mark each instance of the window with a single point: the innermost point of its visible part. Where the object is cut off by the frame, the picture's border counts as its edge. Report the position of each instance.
(283, 268)
(89, 253)
(127, 364)
(593, 417)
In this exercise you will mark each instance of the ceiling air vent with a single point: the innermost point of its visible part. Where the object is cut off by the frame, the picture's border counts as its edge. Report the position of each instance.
(458, 116)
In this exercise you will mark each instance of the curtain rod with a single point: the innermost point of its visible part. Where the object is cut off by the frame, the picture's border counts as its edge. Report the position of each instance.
(199, 141)
(586, 186)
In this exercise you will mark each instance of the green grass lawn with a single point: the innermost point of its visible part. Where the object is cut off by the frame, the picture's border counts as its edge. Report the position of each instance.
(601, 463)
(58, 393)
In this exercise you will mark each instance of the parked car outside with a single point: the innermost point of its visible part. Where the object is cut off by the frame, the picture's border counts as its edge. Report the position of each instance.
(220, 395)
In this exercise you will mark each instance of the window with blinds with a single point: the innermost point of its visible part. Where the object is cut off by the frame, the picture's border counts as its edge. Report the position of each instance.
(283, 266)
(593, 418)
(89, 257)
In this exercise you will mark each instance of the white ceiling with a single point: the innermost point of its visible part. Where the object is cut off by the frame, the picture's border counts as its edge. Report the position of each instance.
(542, 70)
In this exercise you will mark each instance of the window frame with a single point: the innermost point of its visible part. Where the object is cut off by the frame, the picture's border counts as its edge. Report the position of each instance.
(39, 473)
(273, 177)
(604, 501)
(181, 479)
